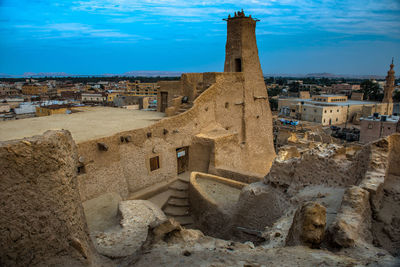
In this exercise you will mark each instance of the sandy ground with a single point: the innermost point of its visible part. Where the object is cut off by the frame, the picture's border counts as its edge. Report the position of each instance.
(91, 123)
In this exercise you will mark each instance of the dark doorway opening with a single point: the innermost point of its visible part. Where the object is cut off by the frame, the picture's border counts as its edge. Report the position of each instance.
(164, 101)
(182, 155)
(238, 65)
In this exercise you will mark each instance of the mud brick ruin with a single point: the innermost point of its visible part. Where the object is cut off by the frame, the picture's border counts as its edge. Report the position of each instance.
(202, 187)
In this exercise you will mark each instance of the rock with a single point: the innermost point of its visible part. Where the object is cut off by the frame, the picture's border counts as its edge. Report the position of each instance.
(250, 244)
(127, 239)
(353, 220)
(189, 235)
(308, 226)
(165, 228)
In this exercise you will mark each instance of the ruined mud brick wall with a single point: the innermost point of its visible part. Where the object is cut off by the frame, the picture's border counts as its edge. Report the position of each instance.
(235, 101)
(41, 216)
(124, 167)
(316, 169)
(394, 156)
(386, 198)
(171, 87)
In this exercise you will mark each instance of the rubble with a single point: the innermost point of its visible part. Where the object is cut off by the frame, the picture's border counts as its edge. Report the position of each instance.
(308, 226)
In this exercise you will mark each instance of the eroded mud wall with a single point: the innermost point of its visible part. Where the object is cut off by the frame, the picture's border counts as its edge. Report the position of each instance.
(41, 216)
(124, 167)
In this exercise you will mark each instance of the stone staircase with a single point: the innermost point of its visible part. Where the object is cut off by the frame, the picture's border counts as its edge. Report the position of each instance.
(175, 201)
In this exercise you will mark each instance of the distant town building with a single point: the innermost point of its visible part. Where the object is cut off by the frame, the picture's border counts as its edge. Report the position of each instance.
(376, 126)
(343, 88)
(34, 89)
(357, 96)
(93, 98)
(4, 107)
(329, 109)
(51, 110)
(143, 89)
(25, 108)
(337, 109)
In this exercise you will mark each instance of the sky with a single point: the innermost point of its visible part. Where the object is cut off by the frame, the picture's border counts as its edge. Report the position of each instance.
(116, 36)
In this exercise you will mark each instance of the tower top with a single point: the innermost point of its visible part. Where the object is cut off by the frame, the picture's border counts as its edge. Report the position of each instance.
(240, 14)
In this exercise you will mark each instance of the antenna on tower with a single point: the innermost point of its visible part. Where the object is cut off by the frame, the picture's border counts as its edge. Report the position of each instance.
(392, 59)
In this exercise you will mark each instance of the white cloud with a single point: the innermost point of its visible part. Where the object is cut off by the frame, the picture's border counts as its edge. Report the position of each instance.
(75, 30)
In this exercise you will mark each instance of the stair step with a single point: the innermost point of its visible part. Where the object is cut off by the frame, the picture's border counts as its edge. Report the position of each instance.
(160, 200)
(178, 202)
(179, 185)
(179, 194)
(176, 211)
(185, 220)
(184, 177)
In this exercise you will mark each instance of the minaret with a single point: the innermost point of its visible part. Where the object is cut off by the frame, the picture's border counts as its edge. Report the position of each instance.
(389, 86)
(241, 53)
(241, 59)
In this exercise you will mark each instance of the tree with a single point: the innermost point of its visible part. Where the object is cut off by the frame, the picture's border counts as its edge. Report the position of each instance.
(273, 104)
(371, 90)
(396, 96)
(294, 87)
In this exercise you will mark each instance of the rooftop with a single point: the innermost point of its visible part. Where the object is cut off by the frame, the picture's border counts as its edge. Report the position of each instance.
(332, 95)
(91, 123)
(319, 103)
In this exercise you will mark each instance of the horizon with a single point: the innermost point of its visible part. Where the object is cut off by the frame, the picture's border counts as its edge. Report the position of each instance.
(94, 37)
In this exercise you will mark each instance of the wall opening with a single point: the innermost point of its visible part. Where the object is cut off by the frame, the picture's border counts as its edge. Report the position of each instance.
(81, 169)
(164, 101)
(182, 155)
(238, 65)
(154, 163)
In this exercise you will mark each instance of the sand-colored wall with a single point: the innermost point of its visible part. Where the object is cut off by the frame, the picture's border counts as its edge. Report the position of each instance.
(173, 88)
(124, 168)
(41, 216)
(394, 159)
(210, 216)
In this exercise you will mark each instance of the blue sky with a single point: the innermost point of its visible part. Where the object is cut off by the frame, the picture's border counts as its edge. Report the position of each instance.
(116, 36)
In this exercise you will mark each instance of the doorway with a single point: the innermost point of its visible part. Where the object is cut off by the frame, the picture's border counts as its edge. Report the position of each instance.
(182, 155)
(164, 101)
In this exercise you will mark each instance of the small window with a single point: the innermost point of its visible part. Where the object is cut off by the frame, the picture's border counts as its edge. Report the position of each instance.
(331, 110)
(325, 111)
(336, 119)
(81, 169)
(238, 65)
(337, 110)
(370, 126)
(154, 163)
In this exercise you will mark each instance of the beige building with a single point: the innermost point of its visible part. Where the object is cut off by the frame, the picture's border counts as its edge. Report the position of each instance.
(330, 109)
(34, 89)
(143, 89)
(93, 98)
(374, 127)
